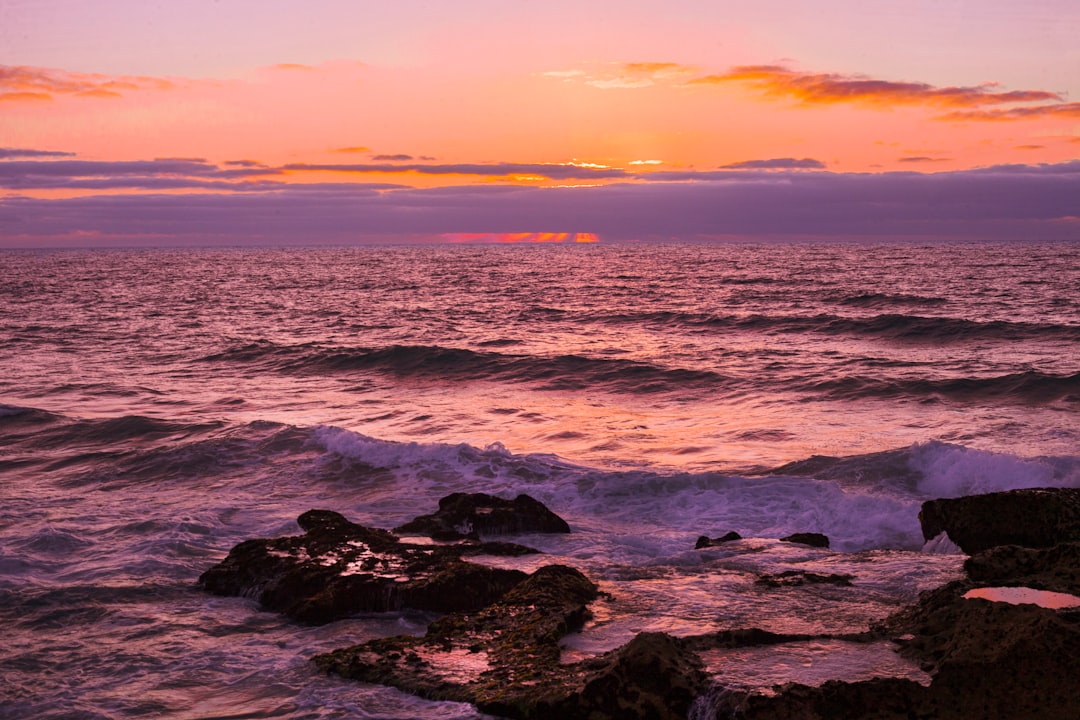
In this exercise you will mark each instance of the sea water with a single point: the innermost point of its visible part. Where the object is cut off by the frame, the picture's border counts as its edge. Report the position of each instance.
(160, 406)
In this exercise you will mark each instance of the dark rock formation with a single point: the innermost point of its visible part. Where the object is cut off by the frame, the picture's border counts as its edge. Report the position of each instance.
(470, 515)
(795, 578)
(989, 660)
(1040, 517)
(652, 676)
(812, 539)
(1056, 569)
(705, 541)
(505, 660)
(338, 568)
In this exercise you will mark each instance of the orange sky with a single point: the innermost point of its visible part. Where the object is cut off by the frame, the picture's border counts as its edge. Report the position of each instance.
(564, 95)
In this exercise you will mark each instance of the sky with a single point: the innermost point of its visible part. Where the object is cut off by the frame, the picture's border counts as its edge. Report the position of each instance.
(127, 122)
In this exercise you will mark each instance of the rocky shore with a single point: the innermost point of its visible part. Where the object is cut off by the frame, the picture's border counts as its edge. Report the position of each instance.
(497, 645)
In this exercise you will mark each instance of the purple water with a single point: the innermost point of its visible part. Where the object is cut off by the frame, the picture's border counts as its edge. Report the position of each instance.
(160, 406)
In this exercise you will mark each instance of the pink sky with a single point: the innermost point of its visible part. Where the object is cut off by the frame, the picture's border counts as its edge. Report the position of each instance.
(324, 96)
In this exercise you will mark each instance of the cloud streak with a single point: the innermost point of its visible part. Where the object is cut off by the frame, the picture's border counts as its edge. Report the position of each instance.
(6, 153)
(778, 164)
(624, 75)
(22, 83)
(1058, 110)
(541, 170)
(777, 82)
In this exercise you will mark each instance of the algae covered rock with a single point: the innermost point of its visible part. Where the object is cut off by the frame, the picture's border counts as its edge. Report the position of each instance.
(1036, 517)
(505, 659)
(492, 656)
(338, 568)
(471, 515)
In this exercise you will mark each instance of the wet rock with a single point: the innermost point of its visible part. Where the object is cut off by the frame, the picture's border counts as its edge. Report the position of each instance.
(993, 659)
(652, 676)
(795, 578)
(1056, 569)
(505, 659)
(338, 568)
(470, 515)
(812, 539)
(987, 660)
(705, 541)
(1039, 517)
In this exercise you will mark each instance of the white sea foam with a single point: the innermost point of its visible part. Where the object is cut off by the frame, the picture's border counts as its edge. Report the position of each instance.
(952, 470)
(646, 514)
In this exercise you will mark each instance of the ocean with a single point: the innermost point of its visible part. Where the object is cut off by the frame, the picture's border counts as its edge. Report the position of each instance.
(159, 406)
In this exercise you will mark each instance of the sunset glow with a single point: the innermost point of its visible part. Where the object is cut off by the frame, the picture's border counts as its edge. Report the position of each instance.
(409, 101)
(525, 237)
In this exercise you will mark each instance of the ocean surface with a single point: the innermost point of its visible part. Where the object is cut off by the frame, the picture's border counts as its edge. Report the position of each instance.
(159, 406)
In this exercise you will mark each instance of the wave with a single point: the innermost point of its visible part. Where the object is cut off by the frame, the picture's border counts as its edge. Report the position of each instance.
(861, 501)
(1025, 388)
(887, 326)
(14, 415)
(560, 372)
(575, 372)
(881, 300)
(112, 431)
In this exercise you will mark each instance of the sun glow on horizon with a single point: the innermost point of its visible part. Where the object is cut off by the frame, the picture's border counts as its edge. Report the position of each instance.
(522, 237)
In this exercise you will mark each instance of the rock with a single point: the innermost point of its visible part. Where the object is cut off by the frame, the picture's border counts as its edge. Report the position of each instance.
(1056, 569)
(511, 644)
(988, 660)
(704, 541)
(812, 539)
(795, 578)
(877, 699)
(1039, 517)
(462, 515)
(652, 676)
(338, 568)
(993, 659)
(505, 659)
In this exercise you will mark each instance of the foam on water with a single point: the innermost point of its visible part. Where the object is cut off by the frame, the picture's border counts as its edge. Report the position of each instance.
(857, 509)
(951, 471)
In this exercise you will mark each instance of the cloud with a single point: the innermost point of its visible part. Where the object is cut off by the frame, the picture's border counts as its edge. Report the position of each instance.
(780, 82)
(392, 158)
(1003, 203)
(245, 164)
(541, 170)
(778, 164)
(624, 75)
(25, 97)
(1027, 112)
(19, 83)
(355, 149)
(162, 173)
(6, 153)
(921, 159)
